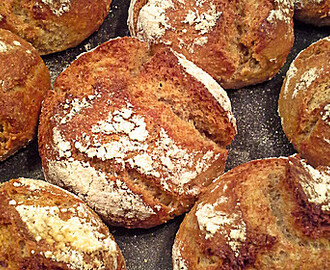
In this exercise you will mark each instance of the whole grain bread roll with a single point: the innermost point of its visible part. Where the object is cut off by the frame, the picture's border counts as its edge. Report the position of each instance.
(238, 43)
(53, 25)
(24, 80)
(138, 137)
(45, 227)
(265, 214)
(304, 103)
(316, 12)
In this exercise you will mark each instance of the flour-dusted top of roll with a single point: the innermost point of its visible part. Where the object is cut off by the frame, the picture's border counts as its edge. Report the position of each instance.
(46, 227)
(238, 44)
(53, 25)
(138, 137)
(24, 81)
(304, 103)
(314, 12)
(265, 214)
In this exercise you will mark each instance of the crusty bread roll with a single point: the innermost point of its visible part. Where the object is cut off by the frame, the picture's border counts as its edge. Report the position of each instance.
(265, 214)
(304, 103)
(237, 42)
(137, 137)
(24, 80)
(316, 12)
(53, 25)
(45, 227)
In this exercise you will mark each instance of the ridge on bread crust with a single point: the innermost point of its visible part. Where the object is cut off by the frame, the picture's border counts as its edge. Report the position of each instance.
(237, 43)
(263, 214)
(54, 229)
(212, 86)
(144, 143)
(304, 103)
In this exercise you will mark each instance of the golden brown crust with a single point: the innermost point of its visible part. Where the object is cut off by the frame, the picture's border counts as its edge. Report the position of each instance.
(252, 218)
(304, 103)
(45, 227)
(316, 12)
(24, 80)
(138, 137)
(53, 25)
(237, 42)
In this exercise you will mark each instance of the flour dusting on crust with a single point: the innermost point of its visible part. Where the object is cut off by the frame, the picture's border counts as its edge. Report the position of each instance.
(283, 11)
(203, 22)
(6, 47)
(306, 80)
(318, 189)
(130, 19)
(3, 47)
(58, 7)
(231, 226)
(291, 73)
(107, 195)
(178, 262)
(152, 20)
(162, 158)
(326, 114)
(72, 237)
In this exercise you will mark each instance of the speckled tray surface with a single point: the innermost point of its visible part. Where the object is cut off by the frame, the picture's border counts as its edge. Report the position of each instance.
(259, 135)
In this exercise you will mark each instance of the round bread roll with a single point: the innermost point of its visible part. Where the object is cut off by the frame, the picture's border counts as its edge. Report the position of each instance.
(137, 137)
(265, 214)
(304, 103)
(45, 227)
(316, 12)
(53, 25)
(238, 43)
(24, 80)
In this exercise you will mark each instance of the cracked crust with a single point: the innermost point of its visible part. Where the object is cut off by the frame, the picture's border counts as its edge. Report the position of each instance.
(24, 80)
(45, 227)
(53, 25)
(304, 103)
(138, 137)
(316, 12)
(237, 42)
(265, 214)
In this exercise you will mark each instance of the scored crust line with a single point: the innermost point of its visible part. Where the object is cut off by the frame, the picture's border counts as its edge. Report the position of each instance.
(210, 84)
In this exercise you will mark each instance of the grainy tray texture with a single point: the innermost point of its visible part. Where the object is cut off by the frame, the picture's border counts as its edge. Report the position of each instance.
(259, 135)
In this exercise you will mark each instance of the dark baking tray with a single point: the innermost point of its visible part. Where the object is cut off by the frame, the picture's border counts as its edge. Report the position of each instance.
(259, 135)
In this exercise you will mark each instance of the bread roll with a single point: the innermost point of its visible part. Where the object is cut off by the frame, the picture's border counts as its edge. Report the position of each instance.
(24, 80)
(137, 137)
(238, 43)
(316, 12)
(265, 214)
(53, 25)
(45, 227)
(304, 103)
